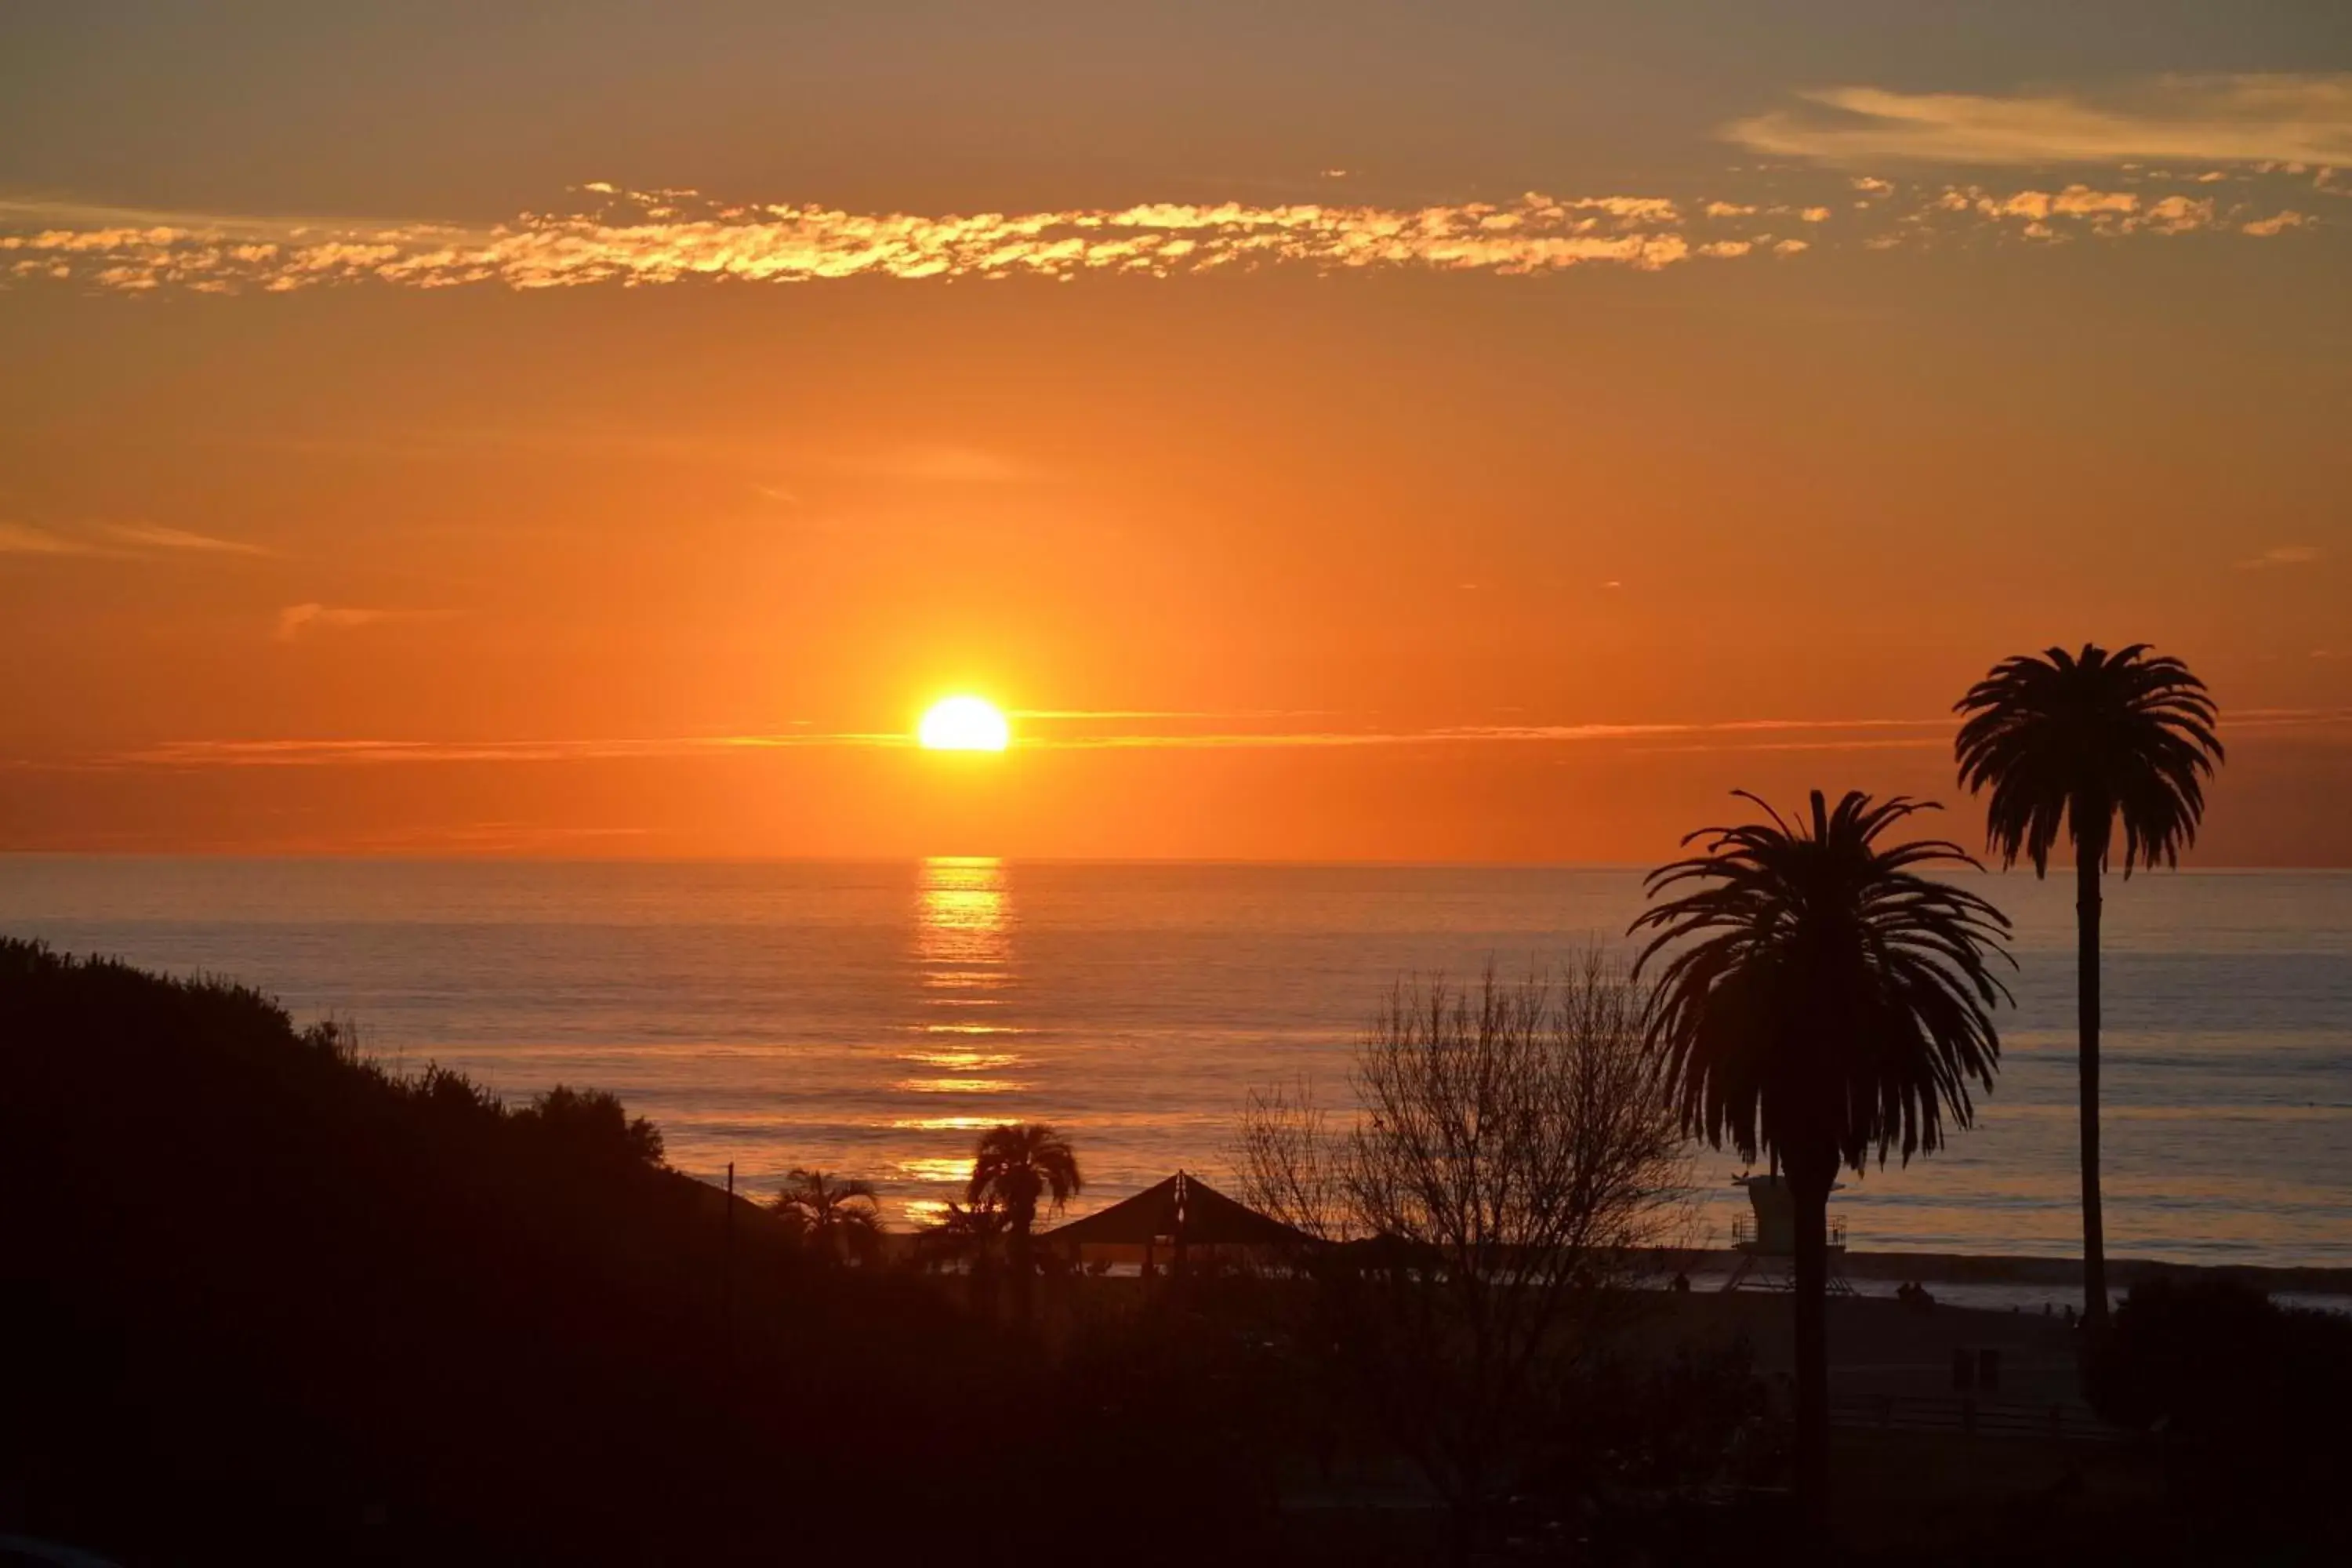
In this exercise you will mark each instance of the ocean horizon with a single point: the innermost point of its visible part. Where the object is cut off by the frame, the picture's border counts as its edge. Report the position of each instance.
(869, 1017)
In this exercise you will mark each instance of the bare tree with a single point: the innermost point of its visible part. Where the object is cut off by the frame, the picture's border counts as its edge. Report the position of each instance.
(1510, 1158)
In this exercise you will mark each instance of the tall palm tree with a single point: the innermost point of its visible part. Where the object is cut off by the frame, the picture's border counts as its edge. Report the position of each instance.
(1015, 1169)
(1820, 999)
(2095, 739)
(832, 1217)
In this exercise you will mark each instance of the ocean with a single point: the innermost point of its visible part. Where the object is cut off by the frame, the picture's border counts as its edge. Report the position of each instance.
(869, 1019)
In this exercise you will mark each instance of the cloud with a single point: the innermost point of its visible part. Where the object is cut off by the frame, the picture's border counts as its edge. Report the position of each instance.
(675, 236)
(311, 753)
(940, 464)
(298, 620)
(1750, 736)
(2281, 555)
(635, 238)
(2278, 223)
(117, 539)
(154, 536)
(1101, 713)
(2290, 718)
(22, 539)
(2242, 118)
(1739, 734)
(2081, 211)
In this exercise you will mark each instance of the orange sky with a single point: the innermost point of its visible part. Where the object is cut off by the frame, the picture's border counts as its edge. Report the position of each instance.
(1391, 514)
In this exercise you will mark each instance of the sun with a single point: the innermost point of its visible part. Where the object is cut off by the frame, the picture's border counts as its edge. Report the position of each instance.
(964, 724)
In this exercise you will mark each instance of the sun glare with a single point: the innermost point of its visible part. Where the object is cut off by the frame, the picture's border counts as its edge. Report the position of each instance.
(964, 724)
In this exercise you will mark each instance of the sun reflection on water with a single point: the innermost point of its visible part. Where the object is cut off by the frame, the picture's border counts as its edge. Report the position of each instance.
(962, 1061)
(963, 925)
(961, 1086)
(961, 958)
(926, 1169)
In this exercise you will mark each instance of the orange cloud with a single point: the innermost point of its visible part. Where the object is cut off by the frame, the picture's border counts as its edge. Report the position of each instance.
(298, 620)
(2278, 118)
(117, 539)
(676, 236)
(2278, 223)
(2281, 555)
(22, 539)
(669, 236)
(154, 536)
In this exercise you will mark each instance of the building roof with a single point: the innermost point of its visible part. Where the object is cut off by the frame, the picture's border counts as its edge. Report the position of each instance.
(1184, 1207)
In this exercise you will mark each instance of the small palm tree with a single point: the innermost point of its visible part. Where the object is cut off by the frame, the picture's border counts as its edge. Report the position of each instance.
(1821, 1000)
(2098, 740)
(966, 1231)
(1015, 1169)
(832, 1217)
(972, 1234)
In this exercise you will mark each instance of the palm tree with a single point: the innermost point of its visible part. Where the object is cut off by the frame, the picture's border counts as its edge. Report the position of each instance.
(972, 1234)
(1017, 1168)
(1821, 1000)
(2096, 739)
(965, 1230)
(832, 1217)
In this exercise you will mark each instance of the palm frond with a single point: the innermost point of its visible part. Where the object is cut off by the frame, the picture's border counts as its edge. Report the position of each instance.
(1020, 1166)
(1813, 992)
(2085, 742)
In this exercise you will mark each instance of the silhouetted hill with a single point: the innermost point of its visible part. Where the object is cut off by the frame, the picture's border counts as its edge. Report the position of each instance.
(266, 1301)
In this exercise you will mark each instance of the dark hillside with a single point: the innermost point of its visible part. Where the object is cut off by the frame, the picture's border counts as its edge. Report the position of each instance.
(265, 1302)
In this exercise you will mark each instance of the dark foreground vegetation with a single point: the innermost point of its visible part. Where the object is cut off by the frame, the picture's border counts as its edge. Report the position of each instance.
(264, 1300)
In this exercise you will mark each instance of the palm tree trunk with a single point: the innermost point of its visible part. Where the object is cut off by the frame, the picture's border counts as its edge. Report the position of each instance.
(1809, 1188)
(2088, 857)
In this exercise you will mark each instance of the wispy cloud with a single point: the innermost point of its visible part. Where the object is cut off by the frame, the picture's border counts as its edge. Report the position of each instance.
(931, 465)
(154, 536)
(2277, 223)
(2281, 555)
(666, 235)
(361, 753)
(1733, 735)
(2291, 718)
(677, 236)
(118, 539)
(22, 539)
(301, 620)
(672, 235)
(1227, 714)
(2243, 119)
(314, 753)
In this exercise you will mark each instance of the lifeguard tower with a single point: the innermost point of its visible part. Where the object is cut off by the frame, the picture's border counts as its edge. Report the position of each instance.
(1766, 1239)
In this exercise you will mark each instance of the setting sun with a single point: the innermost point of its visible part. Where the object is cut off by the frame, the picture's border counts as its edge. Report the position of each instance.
(964, 724)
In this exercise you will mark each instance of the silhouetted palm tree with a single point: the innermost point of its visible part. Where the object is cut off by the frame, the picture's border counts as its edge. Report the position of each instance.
(1819, 1000)
(972, 1234)
(963, 1231)
(2095, 739)
(1015, 1169)
(834, 1218)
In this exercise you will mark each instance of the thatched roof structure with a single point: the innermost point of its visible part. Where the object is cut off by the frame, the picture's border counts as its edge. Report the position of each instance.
(1183, 1209)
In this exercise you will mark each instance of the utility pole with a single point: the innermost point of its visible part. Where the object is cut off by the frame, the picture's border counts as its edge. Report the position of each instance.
(726, 1282)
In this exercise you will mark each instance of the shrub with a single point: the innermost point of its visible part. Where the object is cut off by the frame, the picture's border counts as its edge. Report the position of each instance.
(592, 1124)
(2248, 1397)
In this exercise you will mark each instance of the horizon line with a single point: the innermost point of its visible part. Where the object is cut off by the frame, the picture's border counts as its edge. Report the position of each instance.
(450, 856)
